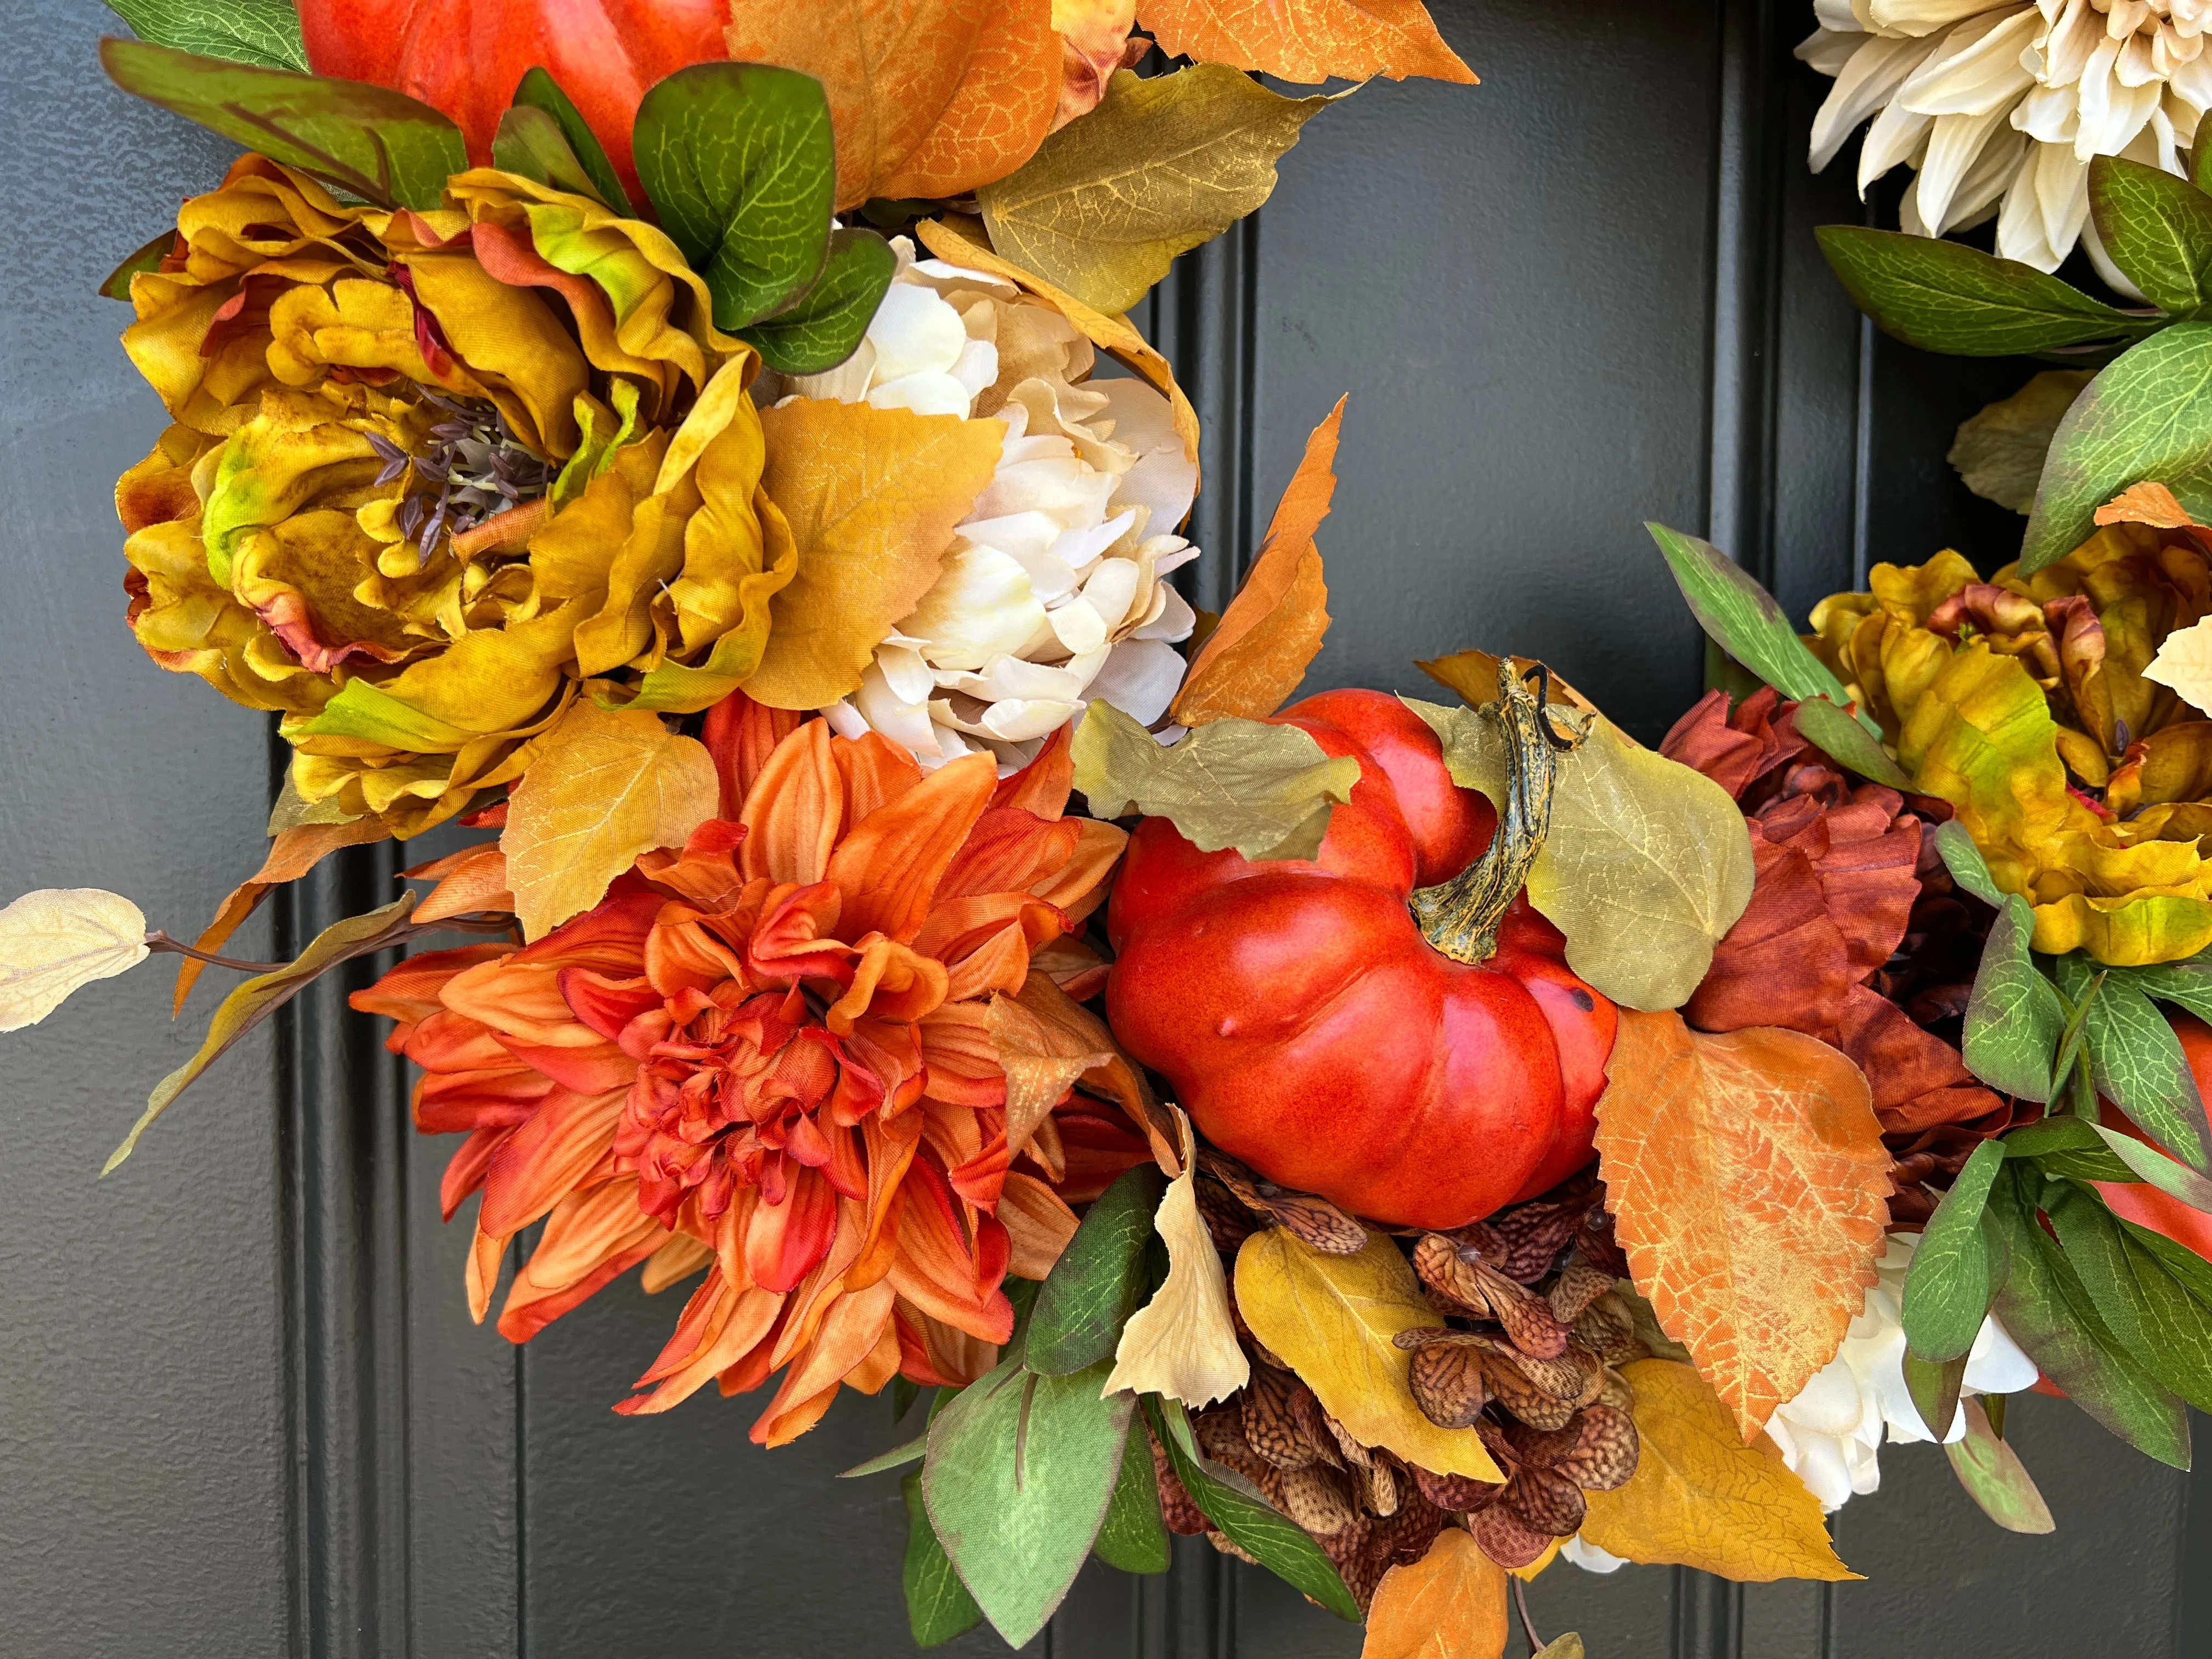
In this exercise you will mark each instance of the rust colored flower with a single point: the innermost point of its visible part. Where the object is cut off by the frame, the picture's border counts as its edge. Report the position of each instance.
(770, 1054)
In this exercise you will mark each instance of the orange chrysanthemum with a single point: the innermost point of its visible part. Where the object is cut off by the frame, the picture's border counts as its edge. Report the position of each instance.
(775, 1054)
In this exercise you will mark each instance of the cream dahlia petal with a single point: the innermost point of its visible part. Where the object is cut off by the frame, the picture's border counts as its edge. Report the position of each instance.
(1873, 70)
(1895, 134)
(1954, 145)
(1976, 69)
(1828, 50)
(930, 392)
(1921, 16)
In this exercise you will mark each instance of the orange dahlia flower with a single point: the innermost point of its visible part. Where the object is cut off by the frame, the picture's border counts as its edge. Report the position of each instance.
(782, 1052)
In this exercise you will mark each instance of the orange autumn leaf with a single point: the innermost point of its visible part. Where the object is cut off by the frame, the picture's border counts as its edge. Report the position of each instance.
(2148, 502)
(927, 97)
(1750, 1187)
(1450, 1604)
(1312, 40)
(1256, 655)
(291, 855)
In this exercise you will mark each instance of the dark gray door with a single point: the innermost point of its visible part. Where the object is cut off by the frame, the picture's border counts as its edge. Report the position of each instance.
(242, 1410)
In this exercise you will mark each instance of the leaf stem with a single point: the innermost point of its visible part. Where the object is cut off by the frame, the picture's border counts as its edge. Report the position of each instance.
(1521, 1605)
(159, 941)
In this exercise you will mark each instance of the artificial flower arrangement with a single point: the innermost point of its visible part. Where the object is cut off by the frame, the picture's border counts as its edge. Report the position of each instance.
(1359, 1131)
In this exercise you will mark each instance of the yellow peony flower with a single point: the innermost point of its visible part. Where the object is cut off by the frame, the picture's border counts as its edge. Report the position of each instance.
(431, 473)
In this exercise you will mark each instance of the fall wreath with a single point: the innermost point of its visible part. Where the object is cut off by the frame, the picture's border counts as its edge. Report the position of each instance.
(1361, 1132)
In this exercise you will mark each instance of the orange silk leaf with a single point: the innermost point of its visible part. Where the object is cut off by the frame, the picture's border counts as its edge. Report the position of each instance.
(1750, 1187)
(291, 855)
(1314, 40)
(1450, 1604)
(927, 97)
(2148, 502)
(1255, 657)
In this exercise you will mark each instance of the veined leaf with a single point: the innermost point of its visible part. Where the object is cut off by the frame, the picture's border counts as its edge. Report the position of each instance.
(58, 939)
(2014, 1018)
(116, 285)
(530, 142)
(1272, 1539)
(1133, 1537)
(2187, 1269)
(1266, 790)
(1998, 451)
(1183, 1344)
(1955, 842)
(938, 1605)
(825, 324)
(1843, 739)
(739, 161)
(1097, 1283)
(2157, 230)
(2184, 984)
(1947, 1287)
(1945, 296)
(2168, 1331)
(263, 32)
(1995, 1478)
(381, 145)
(1450, 1604)
(2137, 1061)
(540, 91)
(2148, 415)
(1315, 40)
(1935, 1389)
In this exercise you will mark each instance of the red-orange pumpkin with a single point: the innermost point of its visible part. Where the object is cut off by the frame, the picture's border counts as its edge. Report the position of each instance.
(1312, 1029)
(466, 57)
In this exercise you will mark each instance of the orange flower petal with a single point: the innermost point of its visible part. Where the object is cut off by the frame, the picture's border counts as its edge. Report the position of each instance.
(537, 1165)
(876, 770)
(591, 1239)
(794, 811)
(889, 865)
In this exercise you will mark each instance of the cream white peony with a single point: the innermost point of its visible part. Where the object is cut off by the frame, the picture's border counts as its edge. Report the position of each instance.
(1054, 591)
(1999, 108)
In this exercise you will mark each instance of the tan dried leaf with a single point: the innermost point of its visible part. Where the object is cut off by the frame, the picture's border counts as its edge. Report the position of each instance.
(1182, 1343)
(58, 939)
(1999, 452)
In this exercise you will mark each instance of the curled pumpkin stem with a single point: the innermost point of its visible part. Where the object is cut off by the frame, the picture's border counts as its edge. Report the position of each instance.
(1461, 917)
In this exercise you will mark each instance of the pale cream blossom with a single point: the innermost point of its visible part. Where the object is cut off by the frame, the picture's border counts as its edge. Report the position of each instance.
(1054, 591)
(1999, 108)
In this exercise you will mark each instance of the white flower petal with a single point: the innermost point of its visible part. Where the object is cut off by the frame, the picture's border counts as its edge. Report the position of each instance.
(914, 331)
(1589, 1557)
(1141, 679)
(980, 606)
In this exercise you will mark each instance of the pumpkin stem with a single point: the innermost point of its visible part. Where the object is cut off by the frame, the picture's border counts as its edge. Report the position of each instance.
(1461, 917)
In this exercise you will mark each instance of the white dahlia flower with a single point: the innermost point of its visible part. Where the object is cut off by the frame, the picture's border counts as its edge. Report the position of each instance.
(1998, 108)
(1054, 591)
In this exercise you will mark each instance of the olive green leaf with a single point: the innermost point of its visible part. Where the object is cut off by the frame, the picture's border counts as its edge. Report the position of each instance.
(1647, 863)
(2148, 415)
(1844, 740)
(1270, 1538)
(379, 145)
(1135, 1538)
(1159, 166)
(2045, 1308)
(938, 1605)
(1934, 1389)
(1264, 790)
(2014, 1018)
(739, 161)
(2187, 1269)
(1741, 617)
(2137, 1061)
(258, 998)
(2168, 1332)
(2070, 1148)
(2147, 1164)
(1568, 1646)
(897, 1458)
(1947, 1287)
(263, 32)
(116, 285)
(1955, 842)
(1946, 296)
(1018, 1476)
(530, 142)
(2157, 230)
(1995, 1478)
(2184, 984)
(540, 91)
(1098, 1281)
(1999, 452)
(829, 320)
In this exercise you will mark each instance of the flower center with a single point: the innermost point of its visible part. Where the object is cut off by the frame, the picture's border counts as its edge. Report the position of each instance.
(473, 467)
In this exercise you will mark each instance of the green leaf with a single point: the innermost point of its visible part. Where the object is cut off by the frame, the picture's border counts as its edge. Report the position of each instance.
(938, 1605)
(1946, 296)
(1934, 1387)
(540, 91)
(116, 283)
(1099, 1279)
(1947, 1287)
(827, 325)
(1964, 861)
(1995, 1478)
(2157, 230)
(1843, 739)
(1020, 1471)
(1742, 618)
(258, 998)
(2014, 1018)
(2137, 1061)
(2147, 415)
(739, 161)
(530, 142)
(897, 1458)
(904, 1392)
(2188, 1269)
(1270, 1538)
(2141, 1163)
(263, 32)
(2184, 984)
(379, 145)
(1135, 1538)
(2045, 1307)
(2168, 1331)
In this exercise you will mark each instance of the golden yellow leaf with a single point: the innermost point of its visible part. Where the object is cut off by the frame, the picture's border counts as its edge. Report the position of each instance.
(1450, 1604)
(873, 495)
(1312, 40)
(604, 786)
(1331, 1319)
(59, 939)
(1648, 864)
(1255, 657)
(927, 97)
(1750, 1188)
(1701, 1498)
(1161, 166)
(1114, 335)
(1183, 1342)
